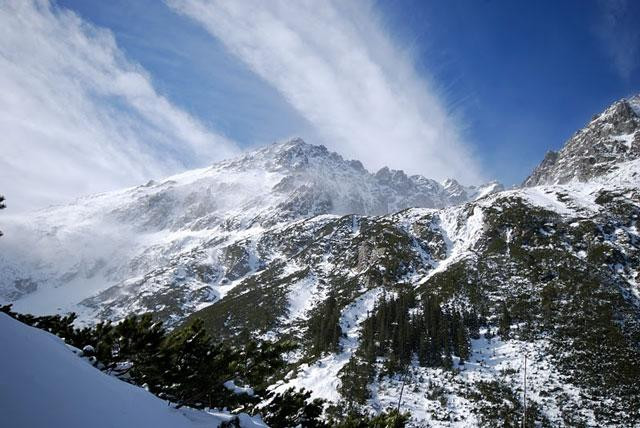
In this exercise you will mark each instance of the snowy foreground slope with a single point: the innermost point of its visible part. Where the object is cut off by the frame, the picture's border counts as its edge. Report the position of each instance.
(44, 384)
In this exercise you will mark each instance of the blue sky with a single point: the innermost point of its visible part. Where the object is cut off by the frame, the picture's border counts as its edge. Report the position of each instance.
(472, 89)
(525, 75)
(194, 70)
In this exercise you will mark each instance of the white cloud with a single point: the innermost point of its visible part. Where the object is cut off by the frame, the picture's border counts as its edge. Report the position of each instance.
(77, 117)
(619, 33)
(334, 62)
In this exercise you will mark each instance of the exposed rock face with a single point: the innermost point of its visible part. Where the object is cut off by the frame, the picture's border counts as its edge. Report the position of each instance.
(610, 138)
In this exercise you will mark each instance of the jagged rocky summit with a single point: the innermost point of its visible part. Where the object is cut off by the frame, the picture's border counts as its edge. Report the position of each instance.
(610, 138)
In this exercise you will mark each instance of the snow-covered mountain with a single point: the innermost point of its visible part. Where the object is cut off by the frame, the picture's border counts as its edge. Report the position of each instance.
(174, 239)
(291, 241)
(563, 260)
(545, 252)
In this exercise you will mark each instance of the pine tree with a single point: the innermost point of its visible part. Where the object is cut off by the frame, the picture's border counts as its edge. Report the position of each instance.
(462, 346)
(504, 326)
(356, 376)
(325, 328)
(548, 295)
(259, 362)
(472, 322)
(193, 368)
(294, 409)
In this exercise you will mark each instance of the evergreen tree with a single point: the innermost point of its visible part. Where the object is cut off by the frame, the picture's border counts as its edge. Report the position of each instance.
(472, 322)
(194, 368)
(294, 409)
(548, 295)
(137, 338)
(258, 363)
(504, 325)
(389, 419)
(462, 343)
(393, 332)
(356, 376)
(324, 328)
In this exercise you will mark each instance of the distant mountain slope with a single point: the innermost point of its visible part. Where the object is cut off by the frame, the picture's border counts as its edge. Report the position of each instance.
(44, 384)
(173, 241)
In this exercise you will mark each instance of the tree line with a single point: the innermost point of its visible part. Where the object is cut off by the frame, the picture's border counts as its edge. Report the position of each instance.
(403, 329)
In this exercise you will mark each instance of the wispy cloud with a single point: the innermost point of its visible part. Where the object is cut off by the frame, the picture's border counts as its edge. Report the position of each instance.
(336, 64)
(76, 116)
(619, 33)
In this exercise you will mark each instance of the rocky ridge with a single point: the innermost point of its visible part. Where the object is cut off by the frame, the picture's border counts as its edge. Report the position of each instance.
(611, 137)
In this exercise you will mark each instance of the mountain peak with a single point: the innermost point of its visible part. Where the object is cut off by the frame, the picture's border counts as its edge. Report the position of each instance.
(620, 111)
(297, 144)
(610, 138)
(634, 104)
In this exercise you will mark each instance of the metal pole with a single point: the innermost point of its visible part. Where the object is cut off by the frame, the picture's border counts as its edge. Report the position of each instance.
(404, 378)
(524, 416)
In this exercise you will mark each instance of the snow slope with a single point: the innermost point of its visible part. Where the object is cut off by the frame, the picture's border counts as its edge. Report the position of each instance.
(44, 384)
